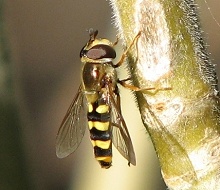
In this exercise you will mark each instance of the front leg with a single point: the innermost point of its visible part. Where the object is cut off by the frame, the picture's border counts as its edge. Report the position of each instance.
(137, 89)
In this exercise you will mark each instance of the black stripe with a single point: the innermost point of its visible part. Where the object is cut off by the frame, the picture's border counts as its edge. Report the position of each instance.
(99, 135)
(99, 152)
(105, 164)
(95, 116)
(102, 117)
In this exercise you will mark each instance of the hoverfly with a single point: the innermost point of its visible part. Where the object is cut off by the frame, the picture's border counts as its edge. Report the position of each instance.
(97, 105)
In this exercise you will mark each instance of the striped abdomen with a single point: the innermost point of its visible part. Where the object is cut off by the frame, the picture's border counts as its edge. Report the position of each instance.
(100, 133)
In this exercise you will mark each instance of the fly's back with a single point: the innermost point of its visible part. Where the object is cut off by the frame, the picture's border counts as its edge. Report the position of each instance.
(96, 105)
(97, 74)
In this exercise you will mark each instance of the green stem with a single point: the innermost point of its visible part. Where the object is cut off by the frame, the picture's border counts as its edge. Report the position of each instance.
(182, 113)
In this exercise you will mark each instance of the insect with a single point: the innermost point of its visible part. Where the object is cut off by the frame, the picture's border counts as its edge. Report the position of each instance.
(97, 105)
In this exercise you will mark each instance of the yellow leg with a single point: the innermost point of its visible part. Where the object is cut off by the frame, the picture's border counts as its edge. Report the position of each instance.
(132, 87)
(116, 42)
(126, 51)
(137, 89)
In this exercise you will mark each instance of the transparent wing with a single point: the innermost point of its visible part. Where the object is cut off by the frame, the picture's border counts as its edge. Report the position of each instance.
(120, 135)
(72, 128)
(170, 145)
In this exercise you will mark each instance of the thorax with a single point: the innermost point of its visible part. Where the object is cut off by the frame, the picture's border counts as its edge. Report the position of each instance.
(96, 77)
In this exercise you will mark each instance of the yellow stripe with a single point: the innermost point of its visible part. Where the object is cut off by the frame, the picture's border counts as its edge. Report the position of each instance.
(90, 107)
(101, 144)
(93, 143)
(105, 158)
(101, 126)
(90, 123)
(102, 109)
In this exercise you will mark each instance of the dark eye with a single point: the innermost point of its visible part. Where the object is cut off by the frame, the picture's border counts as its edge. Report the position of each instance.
(99, 52)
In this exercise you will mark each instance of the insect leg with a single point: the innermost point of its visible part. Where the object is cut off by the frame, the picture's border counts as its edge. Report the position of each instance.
(126, 51)
(132, 87)
(116, 42)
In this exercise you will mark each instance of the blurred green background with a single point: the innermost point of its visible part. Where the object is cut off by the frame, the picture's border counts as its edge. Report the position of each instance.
(39, 75)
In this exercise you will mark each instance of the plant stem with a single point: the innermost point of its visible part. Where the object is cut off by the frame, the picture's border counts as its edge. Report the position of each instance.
(182, 113)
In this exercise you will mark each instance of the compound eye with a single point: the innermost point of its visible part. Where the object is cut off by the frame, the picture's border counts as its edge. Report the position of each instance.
(101, 51)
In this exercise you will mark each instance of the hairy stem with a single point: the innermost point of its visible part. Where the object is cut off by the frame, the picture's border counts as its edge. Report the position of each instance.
(182, 113)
